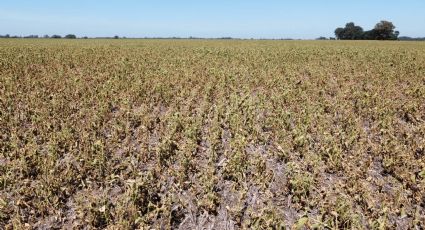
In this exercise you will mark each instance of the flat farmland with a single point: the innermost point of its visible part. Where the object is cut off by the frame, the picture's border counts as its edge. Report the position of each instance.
(211, 134)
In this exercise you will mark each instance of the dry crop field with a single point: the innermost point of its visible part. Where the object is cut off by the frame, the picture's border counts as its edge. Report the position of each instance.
(162, 134)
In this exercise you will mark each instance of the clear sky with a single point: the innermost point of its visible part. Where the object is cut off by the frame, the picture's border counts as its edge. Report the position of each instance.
(306, 19)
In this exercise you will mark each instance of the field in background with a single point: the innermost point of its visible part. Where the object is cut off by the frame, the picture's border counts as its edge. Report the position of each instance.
(215, 134)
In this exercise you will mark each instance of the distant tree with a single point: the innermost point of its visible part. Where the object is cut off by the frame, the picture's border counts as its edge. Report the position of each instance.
(384, 30)
(350, 32)
(70, 36)
(46, 36)
(56, 36)
(396, 34)
(322, 38)
(353, 31)
(406, 38)
(339, 32)
(116, 37)
(31, 36)
(85, 37)
(370, 35)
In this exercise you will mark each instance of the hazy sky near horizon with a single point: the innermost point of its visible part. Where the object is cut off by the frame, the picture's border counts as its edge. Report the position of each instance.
(305, 19)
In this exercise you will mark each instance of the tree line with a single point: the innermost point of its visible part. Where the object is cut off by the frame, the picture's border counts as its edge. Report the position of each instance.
(55, 36)
(383, 30)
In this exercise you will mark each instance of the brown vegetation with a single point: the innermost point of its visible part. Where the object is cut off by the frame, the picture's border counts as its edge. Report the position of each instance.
(211, 134)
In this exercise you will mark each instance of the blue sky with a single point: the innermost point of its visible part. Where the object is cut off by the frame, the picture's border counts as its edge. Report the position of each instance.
(306, 19)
